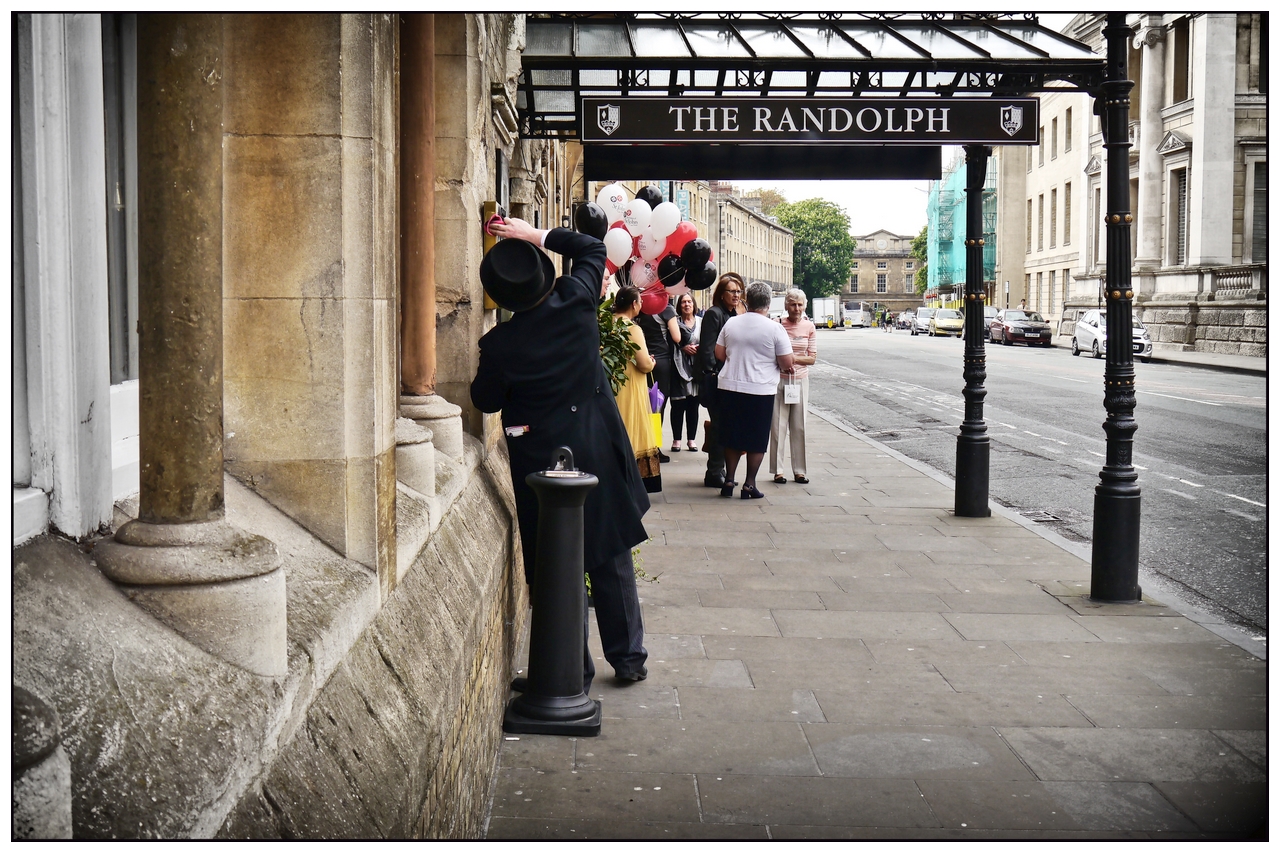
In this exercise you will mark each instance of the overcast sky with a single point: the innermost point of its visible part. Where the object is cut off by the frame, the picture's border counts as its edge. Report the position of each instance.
(897, 206)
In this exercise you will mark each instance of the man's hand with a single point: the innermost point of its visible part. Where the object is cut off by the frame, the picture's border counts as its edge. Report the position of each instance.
(517, 229)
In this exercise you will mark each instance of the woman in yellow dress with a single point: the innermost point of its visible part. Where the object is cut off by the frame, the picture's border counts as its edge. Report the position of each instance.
(633, 397)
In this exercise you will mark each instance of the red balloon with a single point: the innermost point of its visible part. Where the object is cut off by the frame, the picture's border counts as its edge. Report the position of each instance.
(684, 232)
(610, 267)
(653, 300)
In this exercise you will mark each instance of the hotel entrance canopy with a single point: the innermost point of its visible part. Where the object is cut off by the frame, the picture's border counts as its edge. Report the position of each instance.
(788, 55)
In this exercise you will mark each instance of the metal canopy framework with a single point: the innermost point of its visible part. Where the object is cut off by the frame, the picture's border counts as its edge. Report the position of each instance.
(568, 57)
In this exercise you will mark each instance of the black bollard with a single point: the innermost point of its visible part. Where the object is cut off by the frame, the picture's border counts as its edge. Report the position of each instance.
(555, 703)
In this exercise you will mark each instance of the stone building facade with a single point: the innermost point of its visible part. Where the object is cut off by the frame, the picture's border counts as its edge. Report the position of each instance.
(884, 271)
(1197, 187)
(266, 572)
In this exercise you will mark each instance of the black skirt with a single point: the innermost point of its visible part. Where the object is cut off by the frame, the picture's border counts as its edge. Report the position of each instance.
(744, 420)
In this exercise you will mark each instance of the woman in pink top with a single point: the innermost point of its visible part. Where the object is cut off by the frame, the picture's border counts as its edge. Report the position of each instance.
(791, 416)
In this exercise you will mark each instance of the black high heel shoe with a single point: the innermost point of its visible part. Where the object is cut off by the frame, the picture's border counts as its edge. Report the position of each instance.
(726, 491)
(749, 492)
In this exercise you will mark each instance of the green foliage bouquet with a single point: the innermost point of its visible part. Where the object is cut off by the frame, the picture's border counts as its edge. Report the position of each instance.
(616, 346)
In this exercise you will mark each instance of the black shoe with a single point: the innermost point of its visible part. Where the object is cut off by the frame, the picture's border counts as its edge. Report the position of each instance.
(713, 481)
(662, 457)
(637, 675)
(726, 491)
(520, 684)
(748, 492)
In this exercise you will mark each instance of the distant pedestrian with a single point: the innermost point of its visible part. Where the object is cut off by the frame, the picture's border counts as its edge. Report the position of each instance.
(726, 302)
(684, 386)
(754, 350)
(660, 332)
(791, 402)
(1022, 305)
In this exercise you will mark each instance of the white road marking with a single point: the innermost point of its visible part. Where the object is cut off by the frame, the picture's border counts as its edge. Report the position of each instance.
(1036, 434)
(1179, 494)
(1096, 453)
(1242, 514)
(1185, 399)
(1069, 379)
(1050, 449)
(1189, 483)
(1237, 497)
(1010, 426)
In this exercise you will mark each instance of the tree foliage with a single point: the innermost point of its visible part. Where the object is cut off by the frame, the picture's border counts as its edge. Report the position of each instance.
(823, 248)
(769, 199)
(920, 251)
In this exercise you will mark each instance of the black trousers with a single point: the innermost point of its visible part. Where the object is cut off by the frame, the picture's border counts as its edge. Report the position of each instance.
(617, 605)
(684, 413)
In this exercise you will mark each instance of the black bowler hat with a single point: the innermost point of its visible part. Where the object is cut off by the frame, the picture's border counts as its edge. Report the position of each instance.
(517, 275)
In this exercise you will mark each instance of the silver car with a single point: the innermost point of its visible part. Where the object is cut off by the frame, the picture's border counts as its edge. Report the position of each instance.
(920, 325)
(1091, 336)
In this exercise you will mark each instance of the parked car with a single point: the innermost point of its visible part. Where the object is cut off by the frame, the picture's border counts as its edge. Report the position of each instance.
(946, 322)
(920, 325)
(906, 319)
(1013, 325)
(1091, 335)
(988, 314)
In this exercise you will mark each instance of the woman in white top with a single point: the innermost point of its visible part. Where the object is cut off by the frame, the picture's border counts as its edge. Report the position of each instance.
(754, 350)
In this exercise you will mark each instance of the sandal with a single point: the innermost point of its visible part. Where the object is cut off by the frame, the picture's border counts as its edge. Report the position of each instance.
(802, 479)
(726, 491)
(749, 492)
(779, 479)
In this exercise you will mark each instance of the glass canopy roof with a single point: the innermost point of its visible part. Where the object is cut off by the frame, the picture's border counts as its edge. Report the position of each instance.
(844, 55)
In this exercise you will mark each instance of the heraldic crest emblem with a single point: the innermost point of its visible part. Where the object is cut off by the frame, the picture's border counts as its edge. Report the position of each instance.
(607, 117)
(1011, 119)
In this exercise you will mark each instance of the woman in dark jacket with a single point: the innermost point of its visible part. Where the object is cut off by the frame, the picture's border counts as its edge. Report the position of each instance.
(726, 302)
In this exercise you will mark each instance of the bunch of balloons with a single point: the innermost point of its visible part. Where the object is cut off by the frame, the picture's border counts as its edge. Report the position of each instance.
(645, 237)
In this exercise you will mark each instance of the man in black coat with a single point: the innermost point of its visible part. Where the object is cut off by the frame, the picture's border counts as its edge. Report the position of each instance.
(542, 369)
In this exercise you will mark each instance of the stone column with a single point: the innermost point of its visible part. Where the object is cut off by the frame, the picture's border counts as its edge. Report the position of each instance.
(219, 587)
(1211, 194)
(417, 205)
(1150, 164)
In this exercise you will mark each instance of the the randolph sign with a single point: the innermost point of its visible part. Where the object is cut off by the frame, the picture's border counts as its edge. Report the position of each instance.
(876, 121)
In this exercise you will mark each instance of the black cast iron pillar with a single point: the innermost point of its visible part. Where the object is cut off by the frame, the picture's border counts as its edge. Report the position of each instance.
(973, 446)
(1117, 499)
(555, 703)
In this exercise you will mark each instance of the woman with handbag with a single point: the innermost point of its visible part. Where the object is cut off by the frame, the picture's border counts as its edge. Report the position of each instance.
(633, 397)
(684, 388)
(791, 403)
(726, 302)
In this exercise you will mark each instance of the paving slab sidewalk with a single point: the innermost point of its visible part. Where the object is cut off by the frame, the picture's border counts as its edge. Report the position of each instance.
(850, 660)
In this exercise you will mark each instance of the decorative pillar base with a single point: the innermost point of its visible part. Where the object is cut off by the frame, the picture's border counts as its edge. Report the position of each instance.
(973, 474)
(219, 587)
(574, 716)
(1117, 523)
(41, 770)
(415, 457)
(437, 414)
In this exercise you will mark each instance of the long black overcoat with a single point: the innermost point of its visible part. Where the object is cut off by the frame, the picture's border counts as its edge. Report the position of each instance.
(542, 370)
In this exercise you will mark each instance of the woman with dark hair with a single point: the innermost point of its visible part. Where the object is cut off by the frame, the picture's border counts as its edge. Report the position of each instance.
(754, 349)
(726, 302)
(684, 387)
(633, 396)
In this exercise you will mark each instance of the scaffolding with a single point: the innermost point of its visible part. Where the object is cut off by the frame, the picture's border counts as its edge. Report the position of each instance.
(947, 226)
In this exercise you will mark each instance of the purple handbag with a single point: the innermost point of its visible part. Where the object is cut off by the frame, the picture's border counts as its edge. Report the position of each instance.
(656, 399)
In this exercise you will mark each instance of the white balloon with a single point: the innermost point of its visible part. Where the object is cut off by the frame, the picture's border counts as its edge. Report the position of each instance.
(636, 215)
(664, 220)
(617, 246)
(644, 275)
(651, 245)
(613, 201)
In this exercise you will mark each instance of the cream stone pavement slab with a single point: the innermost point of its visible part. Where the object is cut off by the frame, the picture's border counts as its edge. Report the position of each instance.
(851, 660)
